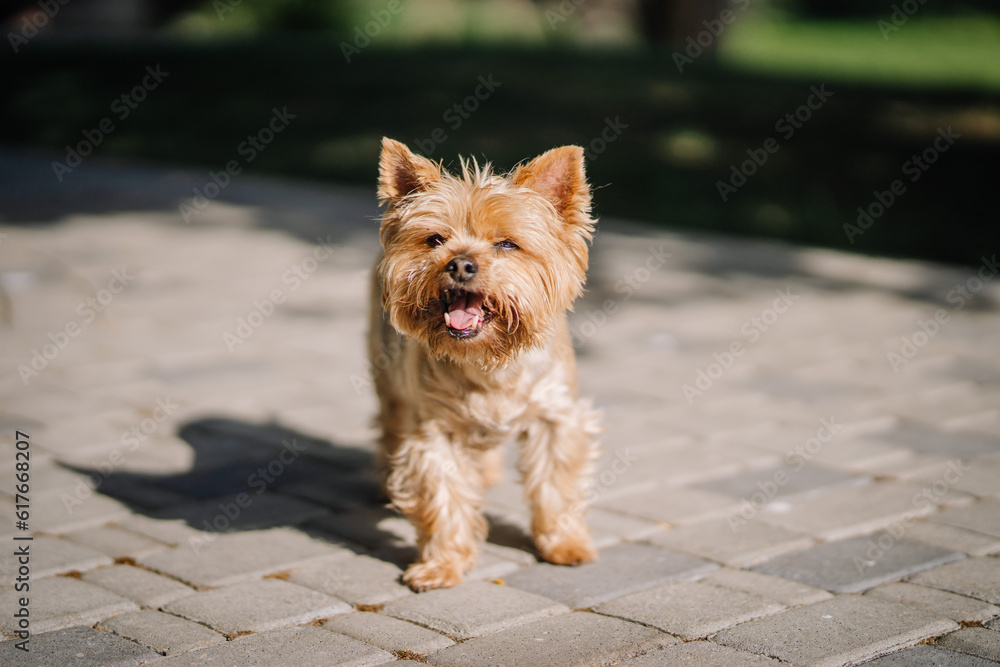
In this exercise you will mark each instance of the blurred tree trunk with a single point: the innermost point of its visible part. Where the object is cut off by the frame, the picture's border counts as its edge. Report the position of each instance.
(669, 23)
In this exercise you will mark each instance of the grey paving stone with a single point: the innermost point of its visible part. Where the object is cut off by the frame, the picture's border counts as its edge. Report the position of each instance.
(68, 510)
(857, 563)
(980, 642)
(956, 607)
(608, 528)
(840, 631)
(975, 578)
(373, 527)
(162, 633)
(263, 510)
(759, 487)
(473, 609)
(848, 511)
(952, 537)
(924, 438)
(791, 593)
(49, 556)
(388, 633)
(982, 517)
(61, 602)
(620, 570)
(580, 639)
(689, 610)
(359, 580)
(732, 541)
(80, 646)
(146, 588)
(928, 656)
(699, 654)
(170, 531)
(496, 561)
(117, 542)
(670, 504)
(238, 557)
(256, 606)
(304, 646)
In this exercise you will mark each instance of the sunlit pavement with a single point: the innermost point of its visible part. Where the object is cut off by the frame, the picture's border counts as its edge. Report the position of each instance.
(801, 461)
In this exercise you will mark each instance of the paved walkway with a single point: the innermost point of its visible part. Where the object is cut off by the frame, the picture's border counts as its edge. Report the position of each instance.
(801, 464)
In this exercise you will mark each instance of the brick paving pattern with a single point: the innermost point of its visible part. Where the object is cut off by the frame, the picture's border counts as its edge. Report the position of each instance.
(199, 408)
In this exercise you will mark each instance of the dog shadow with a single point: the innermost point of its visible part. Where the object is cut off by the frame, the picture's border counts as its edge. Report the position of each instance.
(247, 476)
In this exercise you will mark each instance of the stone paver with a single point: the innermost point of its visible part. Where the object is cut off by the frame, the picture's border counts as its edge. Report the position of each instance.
(304, 646)
(689, 610)
(683, 484)
(146, 588)
(699, 654)
(835, 632)
(790, 593)
(61, 602)
(732, 541)
(162, 633)
(619, 571)
(956, 607)
(388, 633)
(117, 542)
(857, 563)
(52, 555)
(979, 642)
(79, 647)
(579, 639)
(473, 609)
(929, 656)
(256, 606)
(359, 580)
(975, 578)
(219, 560)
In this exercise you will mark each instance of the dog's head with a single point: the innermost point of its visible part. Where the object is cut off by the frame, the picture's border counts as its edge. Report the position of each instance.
(479, 266)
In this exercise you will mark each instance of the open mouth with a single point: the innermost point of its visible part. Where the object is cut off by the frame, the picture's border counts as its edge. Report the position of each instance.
(464, 312)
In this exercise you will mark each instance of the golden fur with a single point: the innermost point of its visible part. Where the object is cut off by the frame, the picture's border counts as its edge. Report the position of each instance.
(449, 397)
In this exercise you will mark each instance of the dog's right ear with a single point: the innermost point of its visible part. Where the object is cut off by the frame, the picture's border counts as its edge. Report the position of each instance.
(401, 172)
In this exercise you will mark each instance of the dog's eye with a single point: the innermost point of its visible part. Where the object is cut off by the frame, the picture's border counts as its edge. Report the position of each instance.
(434, 240)
(506, 244)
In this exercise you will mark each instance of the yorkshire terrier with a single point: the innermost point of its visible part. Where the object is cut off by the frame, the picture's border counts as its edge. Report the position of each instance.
(469, 304)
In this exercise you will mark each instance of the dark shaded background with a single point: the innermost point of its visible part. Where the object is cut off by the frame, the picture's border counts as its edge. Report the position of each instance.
(609, 63)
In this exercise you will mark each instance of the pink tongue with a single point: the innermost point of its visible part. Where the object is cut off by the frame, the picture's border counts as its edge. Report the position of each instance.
(464, 311)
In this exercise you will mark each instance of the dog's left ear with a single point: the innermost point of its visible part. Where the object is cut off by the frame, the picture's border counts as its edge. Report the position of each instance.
(401, 172)
(559, 176)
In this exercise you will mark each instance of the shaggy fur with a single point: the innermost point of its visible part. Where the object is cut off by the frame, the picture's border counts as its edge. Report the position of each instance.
(469, 306)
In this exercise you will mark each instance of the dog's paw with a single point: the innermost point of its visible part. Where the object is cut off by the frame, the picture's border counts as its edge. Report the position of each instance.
(568, 550)
(425, 576)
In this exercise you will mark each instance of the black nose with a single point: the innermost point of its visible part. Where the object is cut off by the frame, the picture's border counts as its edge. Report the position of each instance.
(461, 269)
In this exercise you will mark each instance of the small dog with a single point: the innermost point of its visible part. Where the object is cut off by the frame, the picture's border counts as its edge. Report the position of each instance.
(469, 327)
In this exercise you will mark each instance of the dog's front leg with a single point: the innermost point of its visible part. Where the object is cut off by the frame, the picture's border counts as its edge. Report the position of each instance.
(557, 451)
(439, 489)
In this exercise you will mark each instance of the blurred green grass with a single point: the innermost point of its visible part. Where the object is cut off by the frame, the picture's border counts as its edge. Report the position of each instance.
(684, 133)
